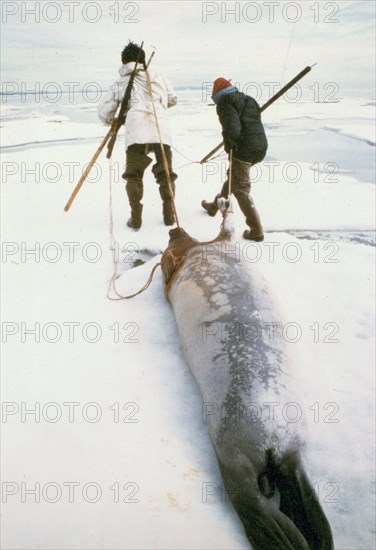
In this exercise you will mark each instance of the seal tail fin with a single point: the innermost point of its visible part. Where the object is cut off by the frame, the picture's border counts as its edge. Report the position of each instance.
(298, 524)
(265, 526)
(300, 503)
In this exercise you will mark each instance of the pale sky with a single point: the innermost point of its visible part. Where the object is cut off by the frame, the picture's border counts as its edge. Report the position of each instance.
(195, 41)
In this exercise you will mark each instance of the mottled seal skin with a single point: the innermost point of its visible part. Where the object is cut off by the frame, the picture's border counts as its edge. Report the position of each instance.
(214, 297)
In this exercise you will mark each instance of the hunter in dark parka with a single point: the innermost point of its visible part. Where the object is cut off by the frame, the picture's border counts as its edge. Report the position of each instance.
(243, 132)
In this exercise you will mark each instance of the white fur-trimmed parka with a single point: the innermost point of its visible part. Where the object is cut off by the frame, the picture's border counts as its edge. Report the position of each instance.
(140, 126)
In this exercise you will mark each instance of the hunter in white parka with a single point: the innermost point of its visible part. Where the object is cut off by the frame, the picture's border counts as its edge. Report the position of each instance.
(140, 124)
(141, 134)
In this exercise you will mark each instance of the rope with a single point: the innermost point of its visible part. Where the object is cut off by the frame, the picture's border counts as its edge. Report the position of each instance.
(230, 173)
(288, 51)
(112, 282)
(285, 65)
(184, 165)
(184, 156)
(165, 163)
(218, 155)
(146, 285)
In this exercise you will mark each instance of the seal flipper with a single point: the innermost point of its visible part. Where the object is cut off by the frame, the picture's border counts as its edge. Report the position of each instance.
(266, 480)
(299, 502)
(266, 527)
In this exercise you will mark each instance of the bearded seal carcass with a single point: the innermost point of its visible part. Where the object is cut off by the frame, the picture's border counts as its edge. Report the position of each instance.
(220, 306)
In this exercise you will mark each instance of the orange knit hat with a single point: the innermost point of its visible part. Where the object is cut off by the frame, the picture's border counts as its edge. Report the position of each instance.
(219, 84)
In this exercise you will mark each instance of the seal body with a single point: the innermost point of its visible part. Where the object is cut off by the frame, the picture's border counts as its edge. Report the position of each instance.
(225, 316)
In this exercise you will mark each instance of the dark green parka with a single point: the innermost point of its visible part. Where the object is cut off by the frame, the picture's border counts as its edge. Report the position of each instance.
(242, 129)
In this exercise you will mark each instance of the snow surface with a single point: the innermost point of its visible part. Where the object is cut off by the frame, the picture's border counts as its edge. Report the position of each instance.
(166, 455)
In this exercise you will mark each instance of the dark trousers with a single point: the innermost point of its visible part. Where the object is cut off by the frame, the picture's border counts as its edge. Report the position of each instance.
(241, 187)
(137, 160)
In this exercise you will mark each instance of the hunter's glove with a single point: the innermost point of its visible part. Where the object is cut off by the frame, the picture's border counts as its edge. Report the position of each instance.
(229, 146)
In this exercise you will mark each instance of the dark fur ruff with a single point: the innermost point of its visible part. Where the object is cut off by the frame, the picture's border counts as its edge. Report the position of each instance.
(131, 53)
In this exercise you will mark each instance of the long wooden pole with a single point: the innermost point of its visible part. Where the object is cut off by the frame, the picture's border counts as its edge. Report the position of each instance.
(88, 168)
(267, 104)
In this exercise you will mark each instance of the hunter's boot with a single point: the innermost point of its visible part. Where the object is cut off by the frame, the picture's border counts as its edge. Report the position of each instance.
(252, 218)
(255, 231)
(167, 210)
(136, 164)
(164, 186)
(242, 187)
(135, 221)
(211, 207)
(168, 213)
